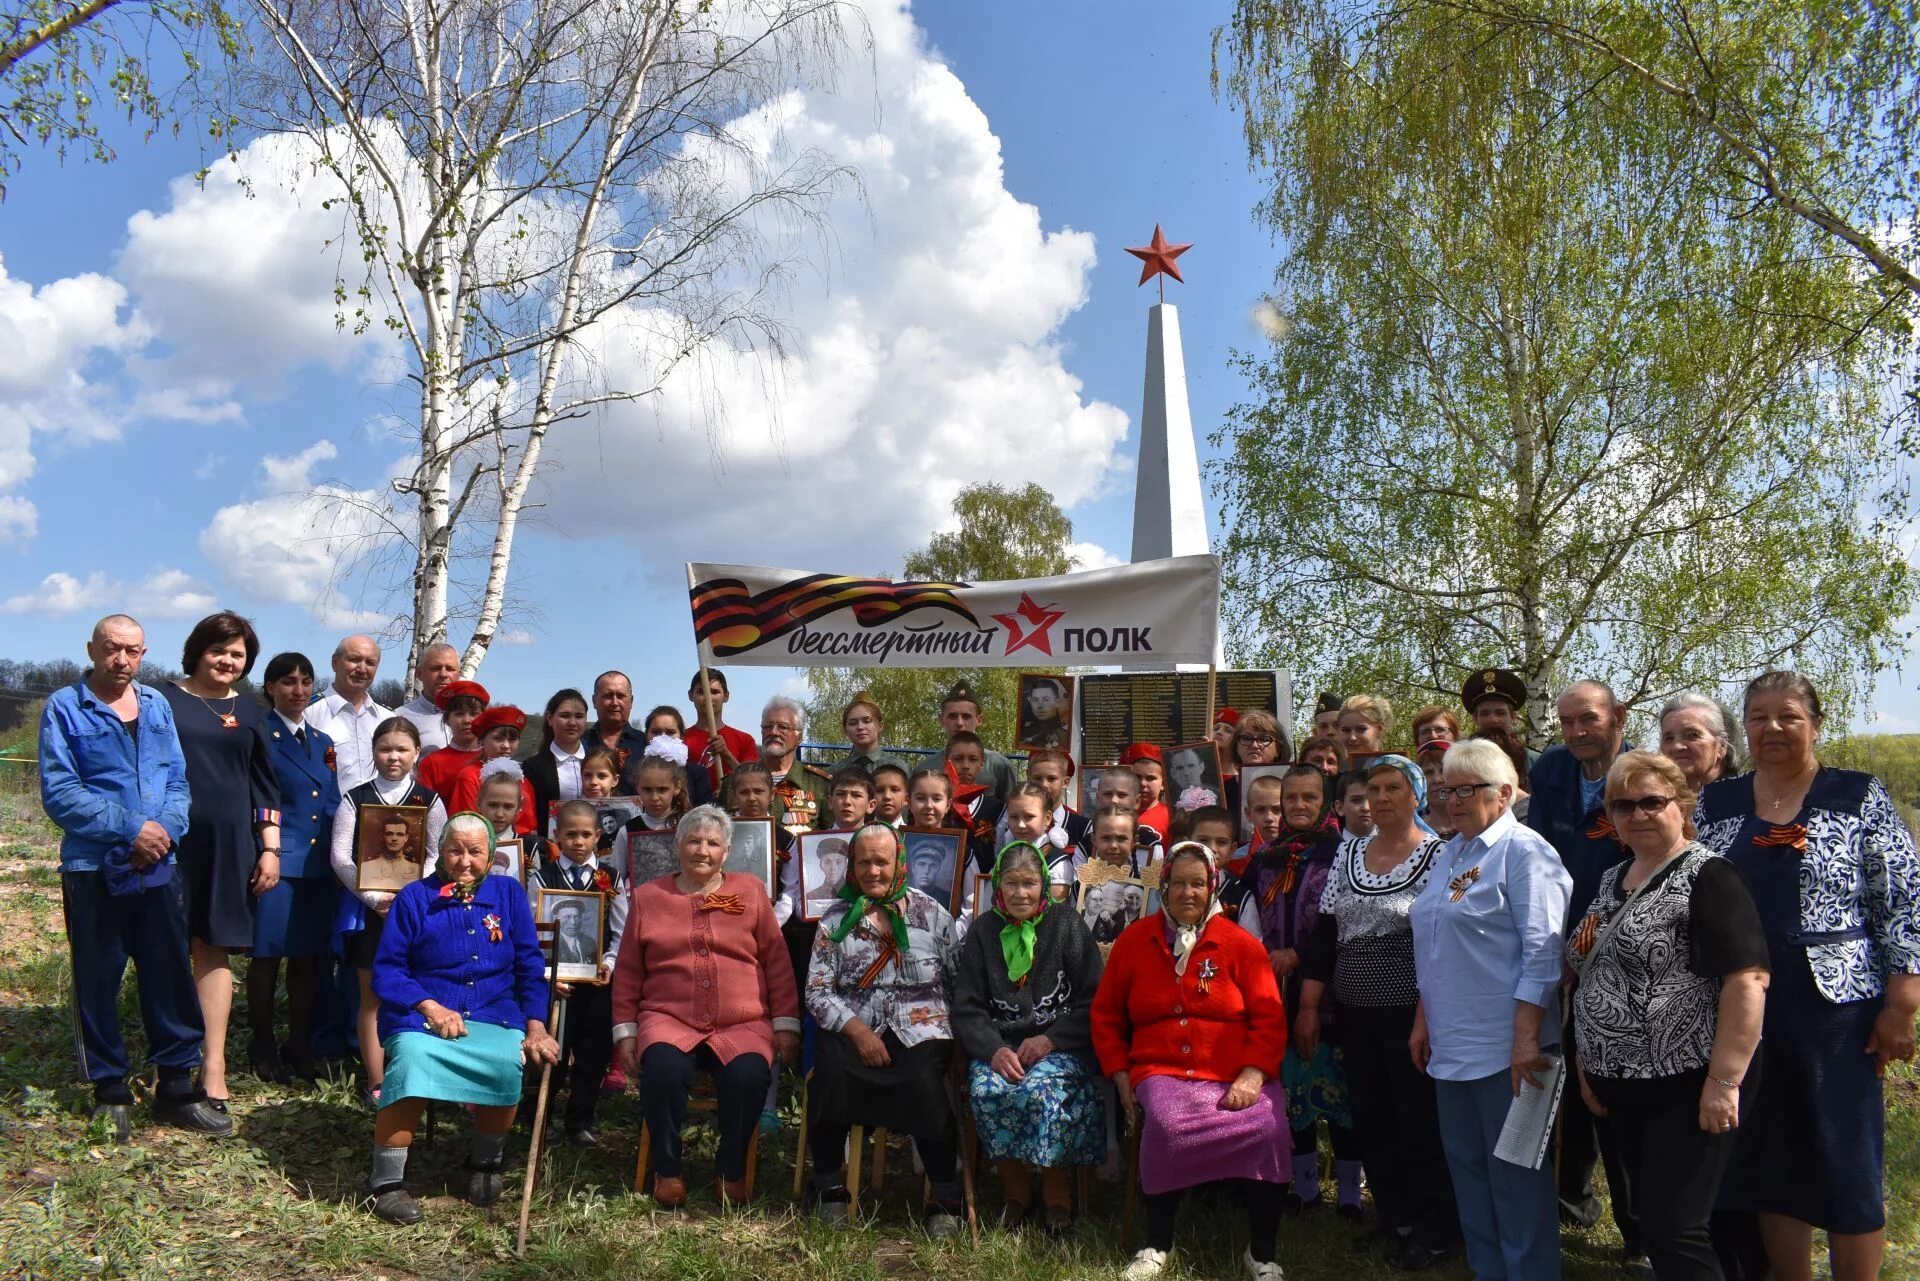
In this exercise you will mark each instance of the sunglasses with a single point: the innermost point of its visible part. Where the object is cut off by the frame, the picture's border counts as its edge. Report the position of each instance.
(1647, 805)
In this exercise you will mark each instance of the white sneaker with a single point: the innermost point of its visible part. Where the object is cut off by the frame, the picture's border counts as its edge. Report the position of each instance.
(1145, 1266)
(1262, 1271)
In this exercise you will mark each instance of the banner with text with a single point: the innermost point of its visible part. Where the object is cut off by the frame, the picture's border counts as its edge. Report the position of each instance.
(1159, 610)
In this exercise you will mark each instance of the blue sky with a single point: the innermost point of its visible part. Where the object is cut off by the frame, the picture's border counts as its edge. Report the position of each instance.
(178, 364)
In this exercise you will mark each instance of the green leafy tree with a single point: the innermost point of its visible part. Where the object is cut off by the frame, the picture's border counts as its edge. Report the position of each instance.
(63, 63)
(1542, 395)
(1001, 534)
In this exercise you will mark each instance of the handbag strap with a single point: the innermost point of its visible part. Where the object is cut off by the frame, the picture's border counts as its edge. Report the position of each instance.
(1604, 930)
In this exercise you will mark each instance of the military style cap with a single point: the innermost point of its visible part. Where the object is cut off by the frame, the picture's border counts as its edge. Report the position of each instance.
(1494, 682)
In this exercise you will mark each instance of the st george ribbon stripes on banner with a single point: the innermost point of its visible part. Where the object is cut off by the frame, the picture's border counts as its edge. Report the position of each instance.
(1164, 611)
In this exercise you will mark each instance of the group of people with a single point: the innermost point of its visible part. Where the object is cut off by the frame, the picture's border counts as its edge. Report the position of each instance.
(1718, 964)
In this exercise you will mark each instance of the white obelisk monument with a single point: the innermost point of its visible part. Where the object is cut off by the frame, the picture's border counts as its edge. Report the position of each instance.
(1169, 510)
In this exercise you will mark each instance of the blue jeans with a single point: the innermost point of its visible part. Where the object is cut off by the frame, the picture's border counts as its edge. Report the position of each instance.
(1509, 1215)
(104, 932)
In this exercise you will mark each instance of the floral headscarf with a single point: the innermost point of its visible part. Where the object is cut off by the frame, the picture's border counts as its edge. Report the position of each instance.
(859, 903)
(1186, 936)
(1017, 937)
(1416, 779)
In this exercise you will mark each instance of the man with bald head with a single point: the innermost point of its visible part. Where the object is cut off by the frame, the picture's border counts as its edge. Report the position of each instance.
(438, 667)
(1567, 785)
(114, 780)
(347, 713)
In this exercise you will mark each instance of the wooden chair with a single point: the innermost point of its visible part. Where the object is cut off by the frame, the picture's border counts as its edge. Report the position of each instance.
(856, 1140)
(697, 1101)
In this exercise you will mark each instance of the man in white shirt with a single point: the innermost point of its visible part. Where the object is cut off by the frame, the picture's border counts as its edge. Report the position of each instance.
(348, 714)
(438, 666)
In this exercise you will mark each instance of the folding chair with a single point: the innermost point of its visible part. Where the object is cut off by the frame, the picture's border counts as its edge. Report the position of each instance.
(696, 1102)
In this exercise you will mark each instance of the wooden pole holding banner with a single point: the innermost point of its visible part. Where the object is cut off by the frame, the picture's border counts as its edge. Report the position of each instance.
(706, 687)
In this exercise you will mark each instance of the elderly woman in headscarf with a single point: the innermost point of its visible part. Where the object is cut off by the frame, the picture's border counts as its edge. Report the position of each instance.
(1023, 989)
(877, 986)
(463, 1005)
(1189, 1025)
(1285, 877)
(1361, 946)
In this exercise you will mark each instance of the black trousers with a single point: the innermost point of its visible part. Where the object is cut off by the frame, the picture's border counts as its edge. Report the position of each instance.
(1262, 1200)
(104, 932)
(586, 1050)
(1398, 1120)
(1676, 1168)
(666, 1078)
(1585, 1141)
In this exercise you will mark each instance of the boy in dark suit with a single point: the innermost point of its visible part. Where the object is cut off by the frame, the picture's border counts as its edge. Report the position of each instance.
(588, 1035)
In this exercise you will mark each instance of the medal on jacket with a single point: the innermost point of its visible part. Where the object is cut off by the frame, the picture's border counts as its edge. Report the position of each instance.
(1207, 970)
(492, 923)
(1462, 883)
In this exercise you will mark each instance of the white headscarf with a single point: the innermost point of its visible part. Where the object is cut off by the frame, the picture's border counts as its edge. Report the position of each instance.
(1186, 936)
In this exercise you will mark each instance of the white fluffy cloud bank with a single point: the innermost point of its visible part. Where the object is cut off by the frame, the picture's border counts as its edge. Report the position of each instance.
(169, 593)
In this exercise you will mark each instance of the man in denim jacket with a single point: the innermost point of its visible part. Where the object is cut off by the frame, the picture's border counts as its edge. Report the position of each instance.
(113, 779)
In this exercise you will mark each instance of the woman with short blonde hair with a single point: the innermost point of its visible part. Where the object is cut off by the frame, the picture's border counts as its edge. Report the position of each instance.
(1366, 721)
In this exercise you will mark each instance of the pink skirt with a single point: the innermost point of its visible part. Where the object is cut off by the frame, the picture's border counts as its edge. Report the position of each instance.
(1188, 1139)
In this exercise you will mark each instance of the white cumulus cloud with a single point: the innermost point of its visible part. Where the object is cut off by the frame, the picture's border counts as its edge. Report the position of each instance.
(169, 593)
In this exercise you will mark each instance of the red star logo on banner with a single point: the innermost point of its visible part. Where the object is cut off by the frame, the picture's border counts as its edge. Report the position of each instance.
(1157, 256)
(1039, 619)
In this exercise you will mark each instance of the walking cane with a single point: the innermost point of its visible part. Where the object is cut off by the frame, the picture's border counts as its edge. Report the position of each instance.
(1132, 1176)
(966, 1167)
(557, 1023)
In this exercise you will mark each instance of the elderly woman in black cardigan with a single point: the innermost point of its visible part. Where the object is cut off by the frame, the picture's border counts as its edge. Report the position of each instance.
(1022, 991)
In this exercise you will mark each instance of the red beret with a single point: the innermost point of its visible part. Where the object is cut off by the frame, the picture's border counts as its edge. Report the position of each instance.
(461, 689)
(1433, 745)
(1139, 752)
(1226, 716)
(495, 717)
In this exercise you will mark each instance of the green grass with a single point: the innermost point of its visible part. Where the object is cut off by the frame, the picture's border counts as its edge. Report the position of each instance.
(280, 1199)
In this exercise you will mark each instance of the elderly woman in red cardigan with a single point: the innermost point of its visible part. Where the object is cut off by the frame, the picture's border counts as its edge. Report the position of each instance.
(703, 983)
(1188, 1022)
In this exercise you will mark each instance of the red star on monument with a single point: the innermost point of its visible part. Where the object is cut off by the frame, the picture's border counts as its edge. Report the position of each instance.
(1157, 258)
(1040, 618)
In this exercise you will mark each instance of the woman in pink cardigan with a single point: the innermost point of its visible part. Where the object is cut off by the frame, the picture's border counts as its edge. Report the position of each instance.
(703, 982)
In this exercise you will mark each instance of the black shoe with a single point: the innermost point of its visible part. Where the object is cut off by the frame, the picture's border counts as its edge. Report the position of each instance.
(395, 1204)
(582, 1137)
(1013, 1216)
(1639, 1268)
(483, 1182)
(1381, 1239)
(1351, 1213)
(1295, 1206)
(1414, 1257)
(201, 1115)
(299, 1065)
(265, 1062)
(119, 1118)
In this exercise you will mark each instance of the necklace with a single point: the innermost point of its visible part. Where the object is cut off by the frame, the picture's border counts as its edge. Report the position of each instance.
(1781, 798)
(227, 718)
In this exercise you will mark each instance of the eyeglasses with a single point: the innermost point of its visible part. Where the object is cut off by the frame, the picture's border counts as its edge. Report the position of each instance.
(1464, 791)
(1647, 805)
(1258, 740)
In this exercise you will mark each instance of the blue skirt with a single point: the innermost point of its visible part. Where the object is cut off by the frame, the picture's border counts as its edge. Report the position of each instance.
(482, 1067)
(1053, 1119)
(295, 918)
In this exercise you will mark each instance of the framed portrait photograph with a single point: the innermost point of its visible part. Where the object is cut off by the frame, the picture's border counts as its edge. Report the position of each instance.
(936, 864)
(391, 847)
(1108, 907)
(579, 920)
(650, 856)
(1190, 766)
(824, 859)
(752, 850)
(1089, 783)
(507, 860)
(1046, 711)
(615, 812)
(982, 895)
(1248, 773)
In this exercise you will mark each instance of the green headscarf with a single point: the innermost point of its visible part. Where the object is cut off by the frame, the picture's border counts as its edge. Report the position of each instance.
(889, 902)
(450, 888)
(1017, 937)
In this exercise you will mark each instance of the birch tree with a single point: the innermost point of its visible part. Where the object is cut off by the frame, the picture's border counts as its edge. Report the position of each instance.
(1545, 396)
(531, 185)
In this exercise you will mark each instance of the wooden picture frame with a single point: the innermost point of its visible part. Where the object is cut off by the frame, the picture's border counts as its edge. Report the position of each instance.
(1109, 905)
(820, 886)
(509, 860)
(1190, 765)
(752, 852)
(1044, 711)
(383, 861)
(1248, 773)
(572, 961)
(982, 894)
(946, 880)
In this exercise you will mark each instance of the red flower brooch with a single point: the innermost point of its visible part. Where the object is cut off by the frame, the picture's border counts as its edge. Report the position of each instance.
(333, 760)
(602, 880)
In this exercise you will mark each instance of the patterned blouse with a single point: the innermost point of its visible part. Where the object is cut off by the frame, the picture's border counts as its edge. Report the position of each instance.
(864, 977)
(1859, 875)
(1363, 938)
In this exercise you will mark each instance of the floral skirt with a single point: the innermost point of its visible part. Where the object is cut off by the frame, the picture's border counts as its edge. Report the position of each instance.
(1316, 1088)
(1053, 1119)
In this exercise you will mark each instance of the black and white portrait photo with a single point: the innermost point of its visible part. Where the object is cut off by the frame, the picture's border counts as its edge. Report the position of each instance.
(1110, 906)
(1046, 711)
(824, 858)
(752, 850)
(1191, 768)
(933, 860)
(651, 855)
(579, 925)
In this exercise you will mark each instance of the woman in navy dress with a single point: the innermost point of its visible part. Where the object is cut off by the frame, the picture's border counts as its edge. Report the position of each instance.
(1834, 873)
(294, 919)
(231, 852)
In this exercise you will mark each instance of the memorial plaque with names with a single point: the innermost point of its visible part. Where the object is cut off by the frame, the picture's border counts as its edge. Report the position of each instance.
(1164, 708)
